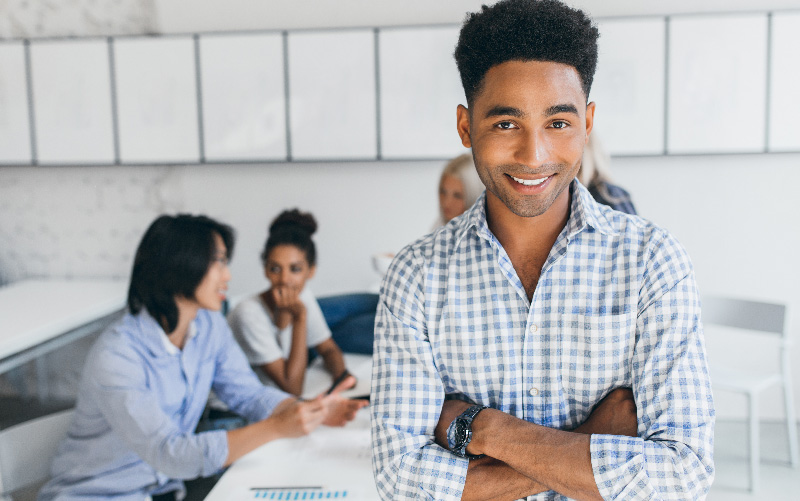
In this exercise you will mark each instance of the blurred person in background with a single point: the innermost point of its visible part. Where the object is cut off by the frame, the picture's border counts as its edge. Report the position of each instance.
(594, 174)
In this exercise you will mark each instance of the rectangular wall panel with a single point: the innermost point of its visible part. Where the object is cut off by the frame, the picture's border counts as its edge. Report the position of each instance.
(157, 100)
(420, 91)
(717, 84)
(629, 86)
(784, 128)
(72, 92)
(243, 96)
(15, 131)
(332, 95)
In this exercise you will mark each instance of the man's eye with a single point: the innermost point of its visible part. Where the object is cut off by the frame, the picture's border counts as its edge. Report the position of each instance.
(506, 125)
(560, 124)
(296, 269)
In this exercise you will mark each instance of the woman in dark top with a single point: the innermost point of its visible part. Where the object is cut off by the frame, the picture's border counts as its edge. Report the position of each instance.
(594, 175)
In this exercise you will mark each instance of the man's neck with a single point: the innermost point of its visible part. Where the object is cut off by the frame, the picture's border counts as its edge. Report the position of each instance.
(187, 311)
(527, 240)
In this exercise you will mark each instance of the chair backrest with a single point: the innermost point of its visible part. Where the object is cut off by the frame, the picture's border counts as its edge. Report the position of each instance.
(27, 448)
(744, 314)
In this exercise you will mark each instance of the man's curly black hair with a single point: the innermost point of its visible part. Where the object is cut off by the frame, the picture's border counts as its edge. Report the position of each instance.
(525, 30)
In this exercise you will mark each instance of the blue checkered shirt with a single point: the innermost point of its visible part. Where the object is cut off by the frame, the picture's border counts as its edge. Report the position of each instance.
(616, 306)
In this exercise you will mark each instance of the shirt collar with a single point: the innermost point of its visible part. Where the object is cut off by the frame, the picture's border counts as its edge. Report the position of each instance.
(171, 348)
(584, 212)
(156, 339)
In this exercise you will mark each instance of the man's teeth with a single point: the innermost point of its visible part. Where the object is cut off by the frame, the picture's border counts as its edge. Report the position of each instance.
(530, 182)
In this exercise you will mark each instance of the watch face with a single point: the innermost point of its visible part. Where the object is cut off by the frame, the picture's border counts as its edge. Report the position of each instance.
(462, 433)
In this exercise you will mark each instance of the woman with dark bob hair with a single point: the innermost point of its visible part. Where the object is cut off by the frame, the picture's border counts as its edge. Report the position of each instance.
(148, 377)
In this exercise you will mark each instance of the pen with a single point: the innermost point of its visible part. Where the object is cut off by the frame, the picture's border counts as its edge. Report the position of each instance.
(336, 382)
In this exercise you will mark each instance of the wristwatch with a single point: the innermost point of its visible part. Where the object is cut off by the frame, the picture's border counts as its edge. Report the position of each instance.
(459, 433)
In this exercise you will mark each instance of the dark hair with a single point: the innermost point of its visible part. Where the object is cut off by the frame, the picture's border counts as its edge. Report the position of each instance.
(525, 30)
(292, 227)
(171, 260)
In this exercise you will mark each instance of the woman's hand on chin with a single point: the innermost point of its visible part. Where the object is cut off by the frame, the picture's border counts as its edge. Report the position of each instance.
(286, 298)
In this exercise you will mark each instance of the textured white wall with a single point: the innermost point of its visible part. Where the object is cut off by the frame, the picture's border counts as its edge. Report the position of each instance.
(51, 18)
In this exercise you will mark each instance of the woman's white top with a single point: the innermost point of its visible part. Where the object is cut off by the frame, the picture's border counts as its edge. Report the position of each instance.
(253, 326)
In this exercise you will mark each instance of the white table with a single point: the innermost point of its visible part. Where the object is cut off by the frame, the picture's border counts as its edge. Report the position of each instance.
(329, 460)
(39, 316)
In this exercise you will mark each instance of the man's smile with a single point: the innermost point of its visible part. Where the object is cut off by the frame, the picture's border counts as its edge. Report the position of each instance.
(530, 182)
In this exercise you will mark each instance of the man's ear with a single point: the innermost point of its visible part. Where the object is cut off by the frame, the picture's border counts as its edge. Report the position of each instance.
(589, 118)
(462, 124)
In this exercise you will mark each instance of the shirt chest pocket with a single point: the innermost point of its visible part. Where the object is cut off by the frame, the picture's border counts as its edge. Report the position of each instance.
(595, 355)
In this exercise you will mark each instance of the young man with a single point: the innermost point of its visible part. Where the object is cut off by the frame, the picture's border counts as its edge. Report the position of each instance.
(573, 327)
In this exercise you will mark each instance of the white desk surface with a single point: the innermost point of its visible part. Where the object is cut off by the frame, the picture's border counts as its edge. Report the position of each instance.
(336, 460)
(35, 311)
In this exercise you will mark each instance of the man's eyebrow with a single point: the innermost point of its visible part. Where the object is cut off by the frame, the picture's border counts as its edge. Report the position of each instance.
(560, 108)
(505, 111)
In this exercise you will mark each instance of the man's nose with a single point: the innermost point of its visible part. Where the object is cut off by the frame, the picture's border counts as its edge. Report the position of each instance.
(532, 149)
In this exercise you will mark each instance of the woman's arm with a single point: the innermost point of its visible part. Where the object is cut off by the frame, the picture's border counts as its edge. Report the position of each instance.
(332, 355)
(289, 374)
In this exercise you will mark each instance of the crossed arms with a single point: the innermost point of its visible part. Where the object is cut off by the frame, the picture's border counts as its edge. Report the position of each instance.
(667, 454)
(512, 470)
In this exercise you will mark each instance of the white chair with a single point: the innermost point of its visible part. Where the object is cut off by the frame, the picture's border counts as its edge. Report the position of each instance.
(26, 450)
(757, 318)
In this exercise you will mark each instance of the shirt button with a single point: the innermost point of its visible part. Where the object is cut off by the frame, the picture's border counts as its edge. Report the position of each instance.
(533, 328)
(534, 392)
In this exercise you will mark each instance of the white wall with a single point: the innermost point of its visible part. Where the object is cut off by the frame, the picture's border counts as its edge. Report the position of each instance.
(735, 214)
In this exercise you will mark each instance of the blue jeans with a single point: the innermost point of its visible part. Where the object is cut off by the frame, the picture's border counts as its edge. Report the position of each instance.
(351, 318)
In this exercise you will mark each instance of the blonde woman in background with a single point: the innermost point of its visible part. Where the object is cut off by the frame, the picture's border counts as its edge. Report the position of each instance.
(459, 188)
(594, 175)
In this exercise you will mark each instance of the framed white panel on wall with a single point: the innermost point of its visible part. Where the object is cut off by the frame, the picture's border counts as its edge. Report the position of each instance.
(157, 100)
(629, 86)
(15, 130)
(784, 130)
(243, 97)
(72, 92)
(717, 84)
(332, 95)
(420, 89)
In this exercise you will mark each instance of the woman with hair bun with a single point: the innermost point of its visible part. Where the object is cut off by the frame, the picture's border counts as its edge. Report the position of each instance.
(276, 327)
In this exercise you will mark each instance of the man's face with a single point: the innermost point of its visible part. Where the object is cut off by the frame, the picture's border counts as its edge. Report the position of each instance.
(527, 128)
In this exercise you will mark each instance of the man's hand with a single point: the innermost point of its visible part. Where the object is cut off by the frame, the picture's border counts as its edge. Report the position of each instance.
(614, 415)
(295, 418)
(341, 410)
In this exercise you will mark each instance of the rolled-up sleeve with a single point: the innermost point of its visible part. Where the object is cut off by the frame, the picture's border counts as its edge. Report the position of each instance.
(673, 456)
(407, 397)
